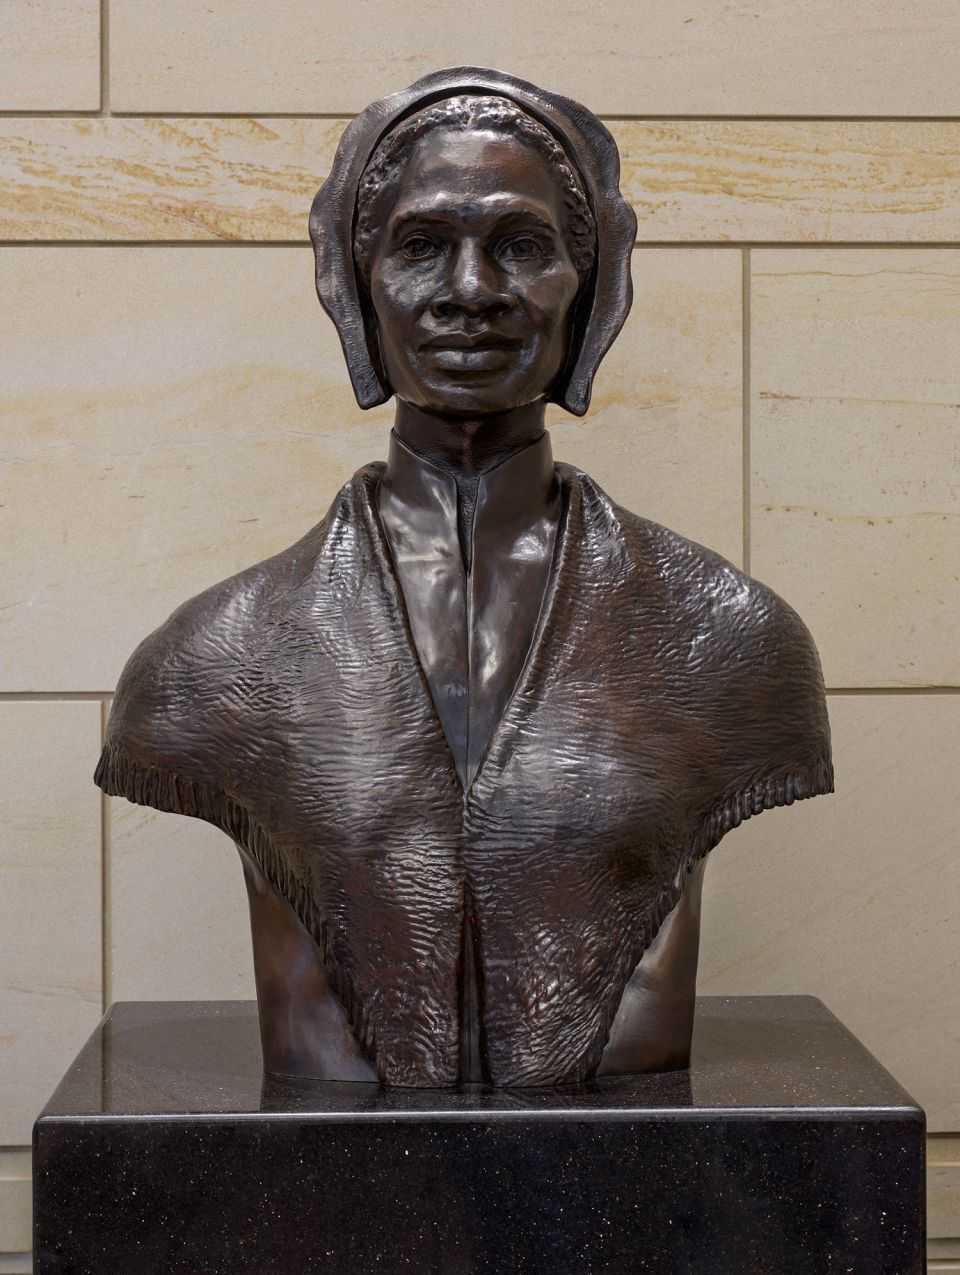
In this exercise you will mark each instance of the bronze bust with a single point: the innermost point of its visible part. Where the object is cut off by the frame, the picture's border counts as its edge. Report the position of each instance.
(474, 734)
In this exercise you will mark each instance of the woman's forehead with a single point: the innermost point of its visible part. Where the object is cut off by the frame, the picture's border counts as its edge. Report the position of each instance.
(450, 167)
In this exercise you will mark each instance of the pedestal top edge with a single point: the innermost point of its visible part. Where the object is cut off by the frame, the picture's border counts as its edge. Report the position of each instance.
(781, 1057)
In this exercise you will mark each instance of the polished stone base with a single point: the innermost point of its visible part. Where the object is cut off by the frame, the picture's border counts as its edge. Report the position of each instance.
(785, 1150)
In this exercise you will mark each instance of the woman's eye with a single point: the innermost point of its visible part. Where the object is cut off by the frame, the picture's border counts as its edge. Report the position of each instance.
(523, 248)
(418, 248)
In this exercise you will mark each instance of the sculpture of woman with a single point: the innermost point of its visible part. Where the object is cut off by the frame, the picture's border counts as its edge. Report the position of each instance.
(474, 734)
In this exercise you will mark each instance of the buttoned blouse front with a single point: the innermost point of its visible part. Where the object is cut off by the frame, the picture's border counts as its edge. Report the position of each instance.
(472, 609)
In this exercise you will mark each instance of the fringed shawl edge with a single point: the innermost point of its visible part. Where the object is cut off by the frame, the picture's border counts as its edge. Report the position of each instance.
(119, 774)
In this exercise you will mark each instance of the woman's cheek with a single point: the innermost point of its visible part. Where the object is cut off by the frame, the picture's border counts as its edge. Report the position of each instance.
(403, 290)
(550, 297)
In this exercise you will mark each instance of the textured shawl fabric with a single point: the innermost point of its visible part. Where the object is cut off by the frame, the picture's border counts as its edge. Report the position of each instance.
(666, 697)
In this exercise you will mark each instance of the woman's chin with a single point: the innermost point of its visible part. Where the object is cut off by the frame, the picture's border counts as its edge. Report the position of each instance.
(485, 395)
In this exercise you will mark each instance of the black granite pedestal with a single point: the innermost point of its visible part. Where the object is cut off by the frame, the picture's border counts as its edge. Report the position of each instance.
(785, 1149)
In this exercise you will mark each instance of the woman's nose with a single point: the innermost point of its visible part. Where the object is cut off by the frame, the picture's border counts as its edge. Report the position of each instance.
(473, 285)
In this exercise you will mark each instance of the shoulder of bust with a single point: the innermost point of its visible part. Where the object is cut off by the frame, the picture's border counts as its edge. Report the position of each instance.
(198, 695)
(732, 654)
(697, 584)
(182, 690)
(212, 629)
(219, 628)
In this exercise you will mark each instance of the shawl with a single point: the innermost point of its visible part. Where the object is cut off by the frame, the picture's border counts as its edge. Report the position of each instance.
(666, 696)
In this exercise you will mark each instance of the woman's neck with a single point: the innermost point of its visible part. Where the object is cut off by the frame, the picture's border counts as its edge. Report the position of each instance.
(468, 445)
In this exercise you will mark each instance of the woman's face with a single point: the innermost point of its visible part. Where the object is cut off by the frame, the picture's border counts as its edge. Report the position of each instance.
(470, 277)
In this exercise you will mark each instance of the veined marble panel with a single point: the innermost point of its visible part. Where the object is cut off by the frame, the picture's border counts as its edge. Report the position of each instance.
(689, 180)
(791, 180)
(190, 179)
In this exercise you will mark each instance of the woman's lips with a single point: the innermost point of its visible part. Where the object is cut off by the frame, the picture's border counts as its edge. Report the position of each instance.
(464, 352)
(484, 358)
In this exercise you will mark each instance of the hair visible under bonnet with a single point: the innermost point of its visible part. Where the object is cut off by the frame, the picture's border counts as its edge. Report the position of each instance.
(385, 168)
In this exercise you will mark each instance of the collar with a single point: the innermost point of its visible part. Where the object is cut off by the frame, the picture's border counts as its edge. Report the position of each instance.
(419, 498)
(471, 629)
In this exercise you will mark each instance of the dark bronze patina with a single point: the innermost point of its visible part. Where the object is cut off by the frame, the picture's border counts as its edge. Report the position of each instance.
(475, 734)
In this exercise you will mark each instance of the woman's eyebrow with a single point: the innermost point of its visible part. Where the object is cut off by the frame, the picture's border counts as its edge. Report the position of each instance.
(527, 217)
(420, 217)
(446, 216)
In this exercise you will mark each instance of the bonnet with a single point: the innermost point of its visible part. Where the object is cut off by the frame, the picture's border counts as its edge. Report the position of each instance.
(589, 147)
